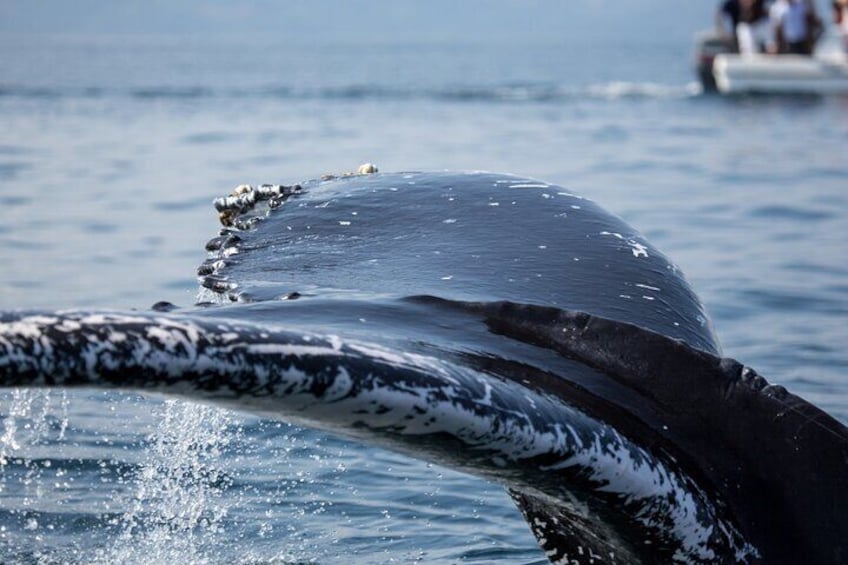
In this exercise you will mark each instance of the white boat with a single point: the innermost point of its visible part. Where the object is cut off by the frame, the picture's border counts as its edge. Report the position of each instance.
(826, 72)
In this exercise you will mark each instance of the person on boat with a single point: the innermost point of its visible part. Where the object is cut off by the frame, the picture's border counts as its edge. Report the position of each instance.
(796, 26)
(727, 18)
(744, 25)
(840, 18)
(753, 32)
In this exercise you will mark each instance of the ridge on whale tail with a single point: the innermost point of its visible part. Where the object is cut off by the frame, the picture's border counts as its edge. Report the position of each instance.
(621, 432)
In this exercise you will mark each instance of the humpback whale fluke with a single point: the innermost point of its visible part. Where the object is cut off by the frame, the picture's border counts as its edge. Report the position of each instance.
(498, 325)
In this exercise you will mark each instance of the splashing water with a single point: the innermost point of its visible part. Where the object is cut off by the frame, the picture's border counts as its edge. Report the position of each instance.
(178, 501)
(29, 419)
(173, 498)
(28, 425)
(169, 483)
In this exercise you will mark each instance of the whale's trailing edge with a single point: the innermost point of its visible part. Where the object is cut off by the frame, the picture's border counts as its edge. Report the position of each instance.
(777, 461)
(499, 325)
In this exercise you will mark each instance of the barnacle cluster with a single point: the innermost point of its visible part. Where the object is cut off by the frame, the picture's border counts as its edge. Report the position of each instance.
(238, 212)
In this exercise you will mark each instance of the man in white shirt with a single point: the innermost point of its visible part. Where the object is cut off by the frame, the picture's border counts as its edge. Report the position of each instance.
(796, 26)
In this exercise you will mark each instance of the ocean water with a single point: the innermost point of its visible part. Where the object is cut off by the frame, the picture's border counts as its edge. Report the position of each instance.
(112, 148)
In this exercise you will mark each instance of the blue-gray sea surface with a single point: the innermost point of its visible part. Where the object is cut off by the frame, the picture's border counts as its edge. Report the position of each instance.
(111, 150)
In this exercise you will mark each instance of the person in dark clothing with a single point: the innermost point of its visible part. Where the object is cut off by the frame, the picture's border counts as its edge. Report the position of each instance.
(744, 23)
(727, 18)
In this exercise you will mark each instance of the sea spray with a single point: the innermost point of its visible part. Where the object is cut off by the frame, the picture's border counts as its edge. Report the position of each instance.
(30, 423)
(179, 503)
(31, 419)
(168, 481)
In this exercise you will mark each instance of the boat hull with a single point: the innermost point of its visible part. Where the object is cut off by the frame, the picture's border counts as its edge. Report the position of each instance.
(780, 74)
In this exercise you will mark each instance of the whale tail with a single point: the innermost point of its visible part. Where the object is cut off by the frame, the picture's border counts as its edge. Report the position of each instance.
(663, 469)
